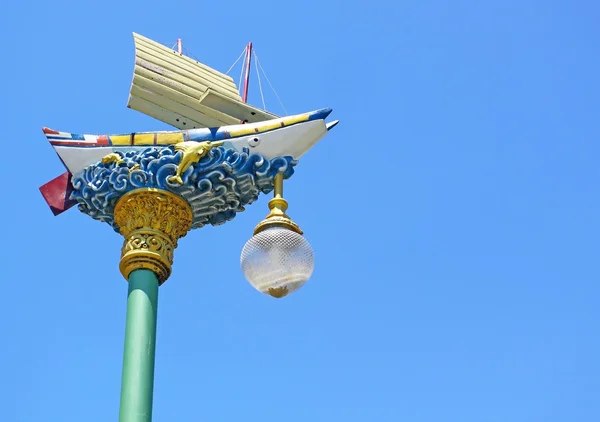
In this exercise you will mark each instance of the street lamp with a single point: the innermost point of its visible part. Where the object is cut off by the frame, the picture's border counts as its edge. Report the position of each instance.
(277, 260)
(154, 187)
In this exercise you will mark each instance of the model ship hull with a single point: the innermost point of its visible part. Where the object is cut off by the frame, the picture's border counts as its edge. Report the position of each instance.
(288, 136)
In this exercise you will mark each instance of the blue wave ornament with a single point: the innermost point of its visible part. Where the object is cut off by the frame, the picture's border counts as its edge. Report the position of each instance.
(219, 186)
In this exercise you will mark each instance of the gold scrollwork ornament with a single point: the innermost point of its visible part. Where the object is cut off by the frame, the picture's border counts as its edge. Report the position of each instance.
(151, 220)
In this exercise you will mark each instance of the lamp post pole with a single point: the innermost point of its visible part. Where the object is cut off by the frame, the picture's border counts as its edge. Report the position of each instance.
(137, 383)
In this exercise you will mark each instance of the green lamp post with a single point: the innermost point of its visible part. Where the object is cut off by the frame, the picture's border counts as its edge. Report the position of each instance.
(154, 187)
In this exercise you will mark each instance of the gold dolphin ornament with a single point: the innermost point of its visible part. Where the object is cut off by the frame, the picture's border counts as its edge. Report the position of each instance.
(192, 153)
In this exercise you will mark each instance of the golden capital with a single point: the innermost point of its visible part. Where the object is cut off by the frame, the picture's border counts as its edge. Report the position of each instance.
(151, 220)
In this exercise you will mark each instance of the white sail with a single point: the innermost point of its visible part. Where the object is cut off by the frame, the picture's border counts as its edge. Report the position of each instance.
(183, 92)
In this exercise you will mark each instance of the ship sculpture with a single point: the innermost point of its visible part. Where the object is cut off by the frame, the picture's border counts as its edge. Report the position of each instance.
(209, 113)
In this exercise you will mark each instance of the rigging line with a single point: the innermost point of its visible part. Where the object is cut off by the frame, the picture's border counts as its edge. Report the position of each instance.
(259, 84)
(242, 71)
(238, 59)
(269, 82)
(188, 53)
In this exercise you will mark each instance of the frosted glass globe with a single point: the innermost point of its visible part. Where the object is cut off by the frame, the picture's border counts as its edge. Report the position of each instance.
(277, 261)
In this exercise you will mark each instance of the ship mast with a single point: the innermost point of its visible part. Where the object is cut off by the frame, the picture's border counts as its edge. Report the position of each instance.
(247, 77)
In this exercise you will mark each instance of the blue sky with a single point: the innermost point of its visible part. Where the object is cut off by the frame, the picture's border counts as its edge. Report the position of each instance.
(453, 214)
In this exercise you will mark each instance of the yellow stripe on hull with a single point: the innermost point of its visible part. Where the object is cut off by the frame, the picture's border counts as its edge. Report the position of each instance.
(286, 121)
(120, 139)
(147, 139)
(143, 139)
(169, 138)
